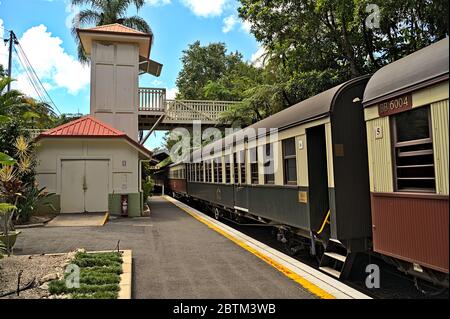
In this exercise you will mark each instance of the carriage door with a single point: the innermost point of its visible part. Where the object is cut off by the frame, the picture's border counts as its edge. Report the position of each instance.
(241, 200)
(84, 186)
(318, 175)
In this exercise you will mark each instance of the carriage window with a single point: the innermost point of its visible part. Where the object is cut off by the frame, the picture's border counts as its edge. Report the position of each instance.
(269, 170)
(209, 168)
(207, 172)
(218, 166)
(413, 149)
(242, 167)
(289, 162)
(201, 172)
(236, 168)
(227, 169)
(254, 166)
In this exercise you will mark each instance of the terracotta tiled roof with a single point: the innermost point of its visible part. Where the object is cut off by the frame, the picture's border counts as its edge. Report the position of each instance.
(90, 127)
(116, 28)
(85, 126)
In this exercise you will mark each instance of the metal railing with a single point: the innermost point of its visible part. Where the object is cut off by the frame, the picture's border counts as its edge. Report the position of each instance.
(152, 99)
(185, 110)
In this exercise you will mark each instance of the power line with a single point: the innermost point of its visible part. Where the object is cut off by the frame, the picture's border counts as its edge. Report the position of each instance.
(32, 75)
(30, 78)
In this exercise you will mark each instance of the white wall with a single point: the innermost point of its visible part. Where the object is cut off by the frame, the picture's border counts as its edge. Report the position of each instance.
(115, 84)
(124, 159)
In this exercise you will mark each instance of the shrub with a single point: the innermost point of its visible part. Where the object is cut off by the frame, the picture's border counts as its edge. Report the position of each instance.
(99, 277)
(148, 186)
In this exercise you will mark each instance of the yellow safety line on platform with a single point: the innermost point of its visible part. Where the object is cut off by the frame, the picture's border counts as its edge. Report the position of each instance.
(105, 219)
(284, 270)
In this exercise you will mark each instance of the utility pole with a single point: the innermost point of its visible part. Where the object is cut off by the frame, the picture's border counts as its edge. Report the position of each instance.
(12, 39)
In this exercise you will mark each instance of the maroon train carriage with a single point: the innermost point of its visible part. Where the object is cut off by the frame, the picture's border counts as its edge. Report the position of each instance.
(407, 114)
(177, 180)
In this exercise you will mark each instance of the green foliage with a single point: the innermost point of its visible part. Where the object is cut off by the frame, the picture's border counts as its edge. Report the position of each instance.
(6, 159)
(147, 186)
(27, 112)
(2, 71)
(116, 269)
(91, 277)
(312, 46)
(6, 213)
(99, 277)
(97, 260)
(102, 12)
(32, 197)
(59, 287)
(210, 73)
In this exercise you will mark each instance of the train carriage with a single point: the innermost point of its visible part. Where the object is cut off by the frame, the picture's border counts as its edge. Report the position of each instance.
(407, 113)
(320, 176)
(177, 179)
(361, 167)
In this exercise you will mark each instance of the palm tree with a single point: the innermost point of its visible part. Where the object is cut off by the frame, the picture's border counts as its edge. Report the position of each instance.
(15, 104)
(104, 12)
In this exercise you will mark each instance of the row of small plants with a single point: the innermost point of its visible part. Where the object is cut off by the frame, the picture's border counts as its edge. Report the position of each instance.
(99, 277)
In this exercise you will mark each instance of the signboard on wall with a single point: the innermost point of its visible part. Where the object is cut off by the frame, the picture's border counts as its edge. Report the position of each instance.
(396, 105)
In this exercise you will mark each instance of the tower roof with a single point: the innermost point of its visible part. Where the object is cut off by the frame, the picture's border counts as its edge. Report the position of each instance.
(115, 33)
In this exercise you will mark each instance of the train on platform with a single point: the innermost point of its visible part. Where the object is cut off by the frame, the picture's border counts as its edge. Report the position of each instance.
(362, 168)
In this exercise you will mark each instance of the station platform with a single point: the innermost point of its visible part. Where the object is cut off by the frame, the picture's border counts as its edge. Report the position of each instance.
(180, 253)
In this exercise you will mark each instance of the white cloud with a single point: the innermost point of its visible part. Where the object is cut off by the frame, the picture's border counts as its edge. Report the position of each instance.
(53, 65)
(3, 47)
(246, 26)
(158, 3)
(229, 23)
(73, 12)
(258, 57)
(171, 93)
(206, 8)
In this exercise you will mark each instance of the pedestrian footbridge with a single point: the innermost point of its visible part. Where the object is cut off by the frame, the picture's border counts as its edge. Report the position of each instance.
(156, 112)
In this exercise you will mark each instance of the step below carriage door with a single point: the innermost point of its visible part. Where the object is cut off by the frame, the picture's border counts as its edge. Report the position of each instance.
(318, 178)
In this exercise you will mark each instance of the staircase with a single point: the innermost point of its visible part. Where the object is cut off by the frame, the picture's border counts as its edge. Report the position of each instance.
(335, 261)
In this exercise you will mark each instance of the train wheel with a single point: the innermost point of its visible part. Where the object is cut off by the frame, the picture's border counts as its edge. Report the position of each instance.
(217, 213)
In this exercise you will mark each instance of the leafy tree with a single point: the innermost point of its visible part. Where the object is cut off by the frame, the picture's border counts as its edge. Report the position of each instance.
(204, 72)
(314, 44)
(15, 105)
(2, 71)
(104, 12)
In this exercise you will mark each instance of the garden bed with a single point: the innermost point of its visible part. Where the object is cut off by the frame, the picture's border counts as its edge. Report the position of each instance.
(103, 275)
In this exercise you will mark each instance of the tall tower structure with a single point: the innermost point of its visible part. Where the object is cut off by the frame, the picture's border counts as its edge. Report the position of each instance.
(118, 56)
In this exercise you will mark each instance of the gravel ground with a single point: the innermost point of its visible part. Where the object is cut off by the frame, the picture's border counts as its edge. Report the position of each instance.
(42, 268)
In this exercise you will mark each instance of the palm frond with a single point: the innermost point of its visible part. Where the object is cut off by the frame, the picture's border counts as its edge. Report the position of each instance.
(137, 23)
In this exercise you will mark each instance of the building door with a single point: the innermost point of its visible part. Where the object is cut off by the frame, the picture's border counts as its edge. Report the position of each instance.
(84, 186)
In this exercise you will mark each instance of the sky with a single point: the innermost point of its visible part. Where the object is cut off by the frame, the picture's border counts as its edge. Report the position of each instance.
(43, 30)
